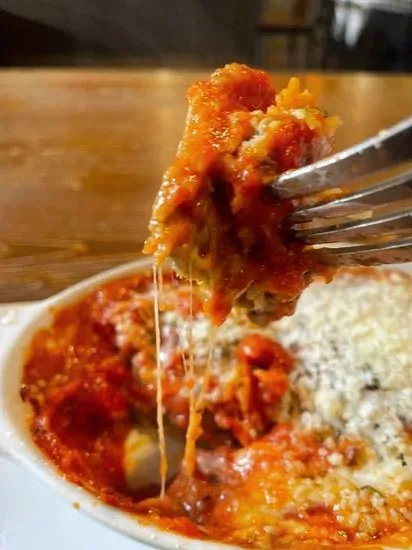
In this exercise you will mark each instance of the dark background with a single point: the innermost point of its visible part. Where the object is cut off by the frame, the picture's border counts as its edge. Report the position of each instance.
(275, 34)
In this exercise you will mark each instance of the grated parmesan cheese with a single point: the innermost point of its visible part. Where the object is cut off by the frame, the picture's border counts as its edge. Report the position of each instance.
(353, 348)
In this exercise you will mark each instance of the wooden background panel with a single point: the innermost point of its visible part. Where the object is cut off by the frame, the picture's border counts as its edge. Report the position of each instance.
(82, 154)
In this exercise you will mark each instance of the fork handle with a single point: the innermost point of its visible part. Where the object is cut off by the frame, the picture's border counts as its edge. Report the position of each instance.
(387, 149)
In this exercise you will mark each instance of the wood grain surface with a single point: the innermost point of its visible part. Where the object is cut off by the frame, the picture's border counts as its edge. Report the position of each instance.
(82, 154)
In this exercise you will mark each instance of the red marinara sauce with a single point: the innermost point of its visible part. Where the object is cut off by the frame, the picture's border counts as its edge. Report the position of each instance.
(217, 213)
(94, 369)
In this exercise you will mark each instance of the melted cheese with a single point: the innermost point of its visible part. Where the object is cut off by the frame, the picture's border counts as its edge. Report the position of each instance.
(142, 459)
(159, 393)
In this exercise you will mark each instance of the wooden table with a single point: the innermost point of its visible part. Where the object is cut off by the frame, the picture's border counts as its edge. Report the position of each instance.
(82, 153)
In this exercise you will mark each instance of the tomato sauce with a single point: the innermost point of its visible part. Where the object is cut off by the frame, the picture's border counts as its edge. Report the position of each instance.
(90, 377)
(217, 209)
(84, 394)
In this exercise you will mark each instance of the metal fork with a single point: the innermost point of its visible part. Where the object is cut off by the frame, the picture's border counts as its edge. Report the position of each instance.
(344, 217)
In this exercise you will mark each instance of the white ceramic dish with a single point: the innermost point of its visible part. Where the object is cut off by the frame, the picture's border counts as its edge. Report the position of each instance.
(15, 440)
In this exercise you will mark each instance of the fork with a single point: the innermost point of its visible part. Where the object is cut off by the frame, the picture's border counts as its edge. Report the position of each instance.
(343, 216)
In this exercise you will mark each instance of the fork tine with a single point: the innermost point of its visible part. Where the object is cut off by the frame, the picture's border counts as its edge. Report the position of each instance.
(376, 194)
(385, 150)
(398, 251)
(397, 222)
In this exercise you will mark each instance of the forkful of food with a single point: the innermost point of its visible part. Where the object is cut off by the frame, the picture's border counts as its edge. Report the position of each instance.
(254, 207)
